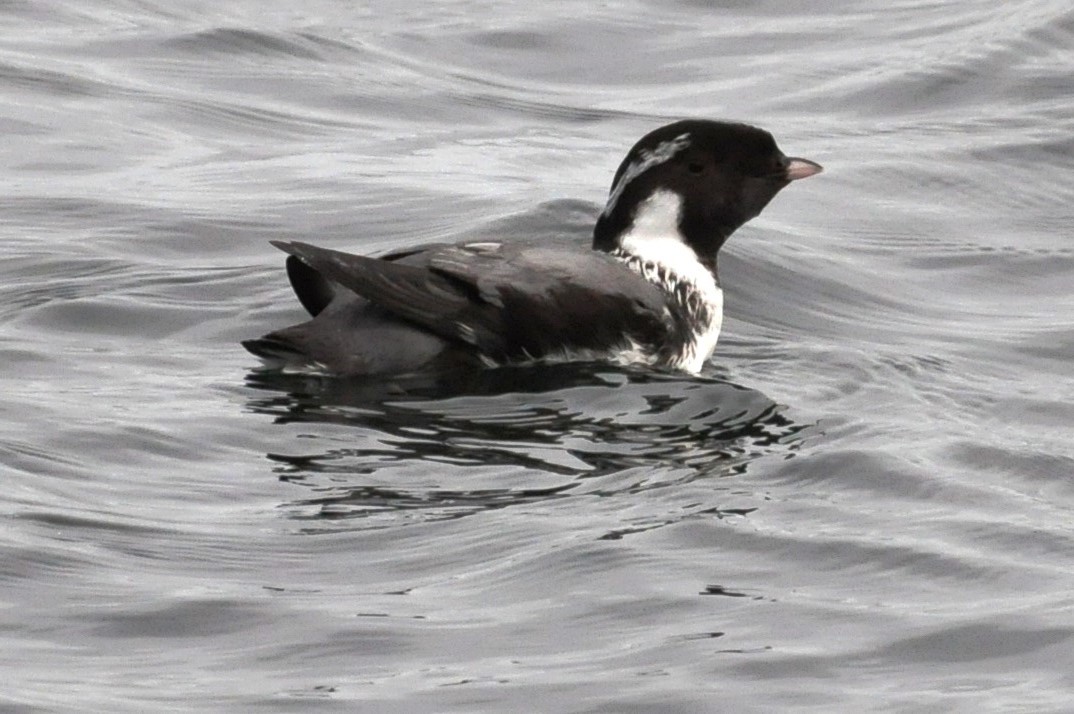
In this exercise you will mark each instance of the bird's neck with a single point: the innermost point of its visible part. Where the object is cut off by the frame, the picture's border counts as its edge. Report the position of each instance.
(654, 239)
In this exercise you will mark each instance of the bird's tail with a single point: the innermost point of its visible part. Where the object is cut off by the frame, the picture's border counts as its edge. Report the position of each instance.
(275, 351)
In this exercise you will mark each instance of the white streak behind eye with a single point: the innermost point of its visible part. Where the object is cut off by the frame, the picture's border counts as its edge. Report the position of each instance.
(647, 159)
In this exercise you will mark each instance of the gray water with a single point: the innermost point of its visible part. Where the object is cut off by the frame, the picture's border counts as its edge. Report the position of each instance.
(864, 504)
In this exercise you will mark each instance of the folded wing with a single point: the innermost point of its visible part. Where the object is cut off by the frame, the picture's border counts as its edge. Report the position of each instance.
(509, 302)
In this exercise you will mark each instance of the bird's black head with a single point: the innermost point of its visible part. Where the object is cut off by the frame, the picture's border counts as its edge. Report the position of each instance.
(722, 173)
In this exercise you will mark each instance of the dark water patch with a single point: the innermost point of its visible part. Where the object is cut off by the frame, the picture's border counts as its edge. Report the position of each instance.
(1029, 266)
(788, 293)
(241, 41)
(974, 642)
(109, 298)
(934, 656)
(22, 565)
(363, 639)
(24, 360)
(182, 619)
(18, 127)
(63, 521)
(1039, 551)
(863, 564)
(1043, 416)
(584, 54)
(533, 109)
(67, 211)
(169, 51)
(33, 458)
(209, 238)
(114, 316)
(53, 82)
(839, 473)
(515, 40)
(1035, 154)
(557, 219)
(1022, 467)
(249, 117)
(971, 67)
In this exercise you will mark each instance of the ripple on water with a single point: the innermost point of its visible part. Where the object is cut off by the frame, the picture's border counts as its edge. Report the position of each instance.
(575, 432)
(864, 503)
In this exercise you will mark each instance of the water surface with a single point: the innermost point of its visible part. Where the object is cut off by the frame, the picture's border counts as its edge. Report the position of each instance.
(863, 504)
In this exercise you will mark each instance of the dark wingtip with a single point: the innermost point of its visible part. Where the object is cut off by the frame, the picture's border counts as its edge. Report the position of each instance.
(296, 248)
(312, 289)
(252, 346)
(269, 348)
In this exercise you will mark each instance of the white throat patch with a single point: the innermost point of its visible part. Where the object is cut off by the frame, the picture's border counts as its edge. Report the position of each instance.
(655, 238)
(654, 248)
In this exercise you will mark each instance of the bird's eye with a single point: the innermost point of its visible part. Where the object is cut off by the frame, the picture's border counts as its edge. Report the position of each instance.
(695, 167)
